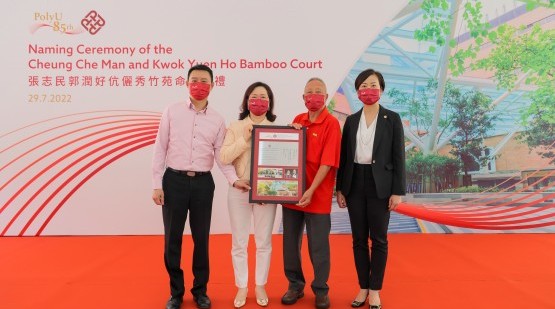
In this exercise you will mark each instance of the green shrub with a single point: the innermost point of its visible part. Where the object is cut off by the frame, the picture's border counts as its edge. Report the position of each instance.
(470, 189)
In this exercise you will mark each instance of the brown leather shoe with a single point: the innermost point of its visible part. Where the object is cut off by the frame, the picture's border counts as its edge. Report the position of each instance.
(290, 297)
(322, 301)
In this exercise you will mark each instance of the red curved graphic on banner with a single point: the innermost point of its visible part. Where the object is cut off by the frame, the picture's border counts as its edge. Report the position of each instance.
(22, 188)
(514, 215)
(492, 210)
(71, 142)
(73, 163)
(487, 209)
(473, 203)
(78, 114)
(66, 198)
(143, 137)
(61, 126)
(420, 212)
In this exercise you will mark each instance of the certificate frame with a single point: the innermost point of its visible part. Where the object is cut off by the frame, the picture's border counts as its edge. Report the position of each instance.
(278, 163)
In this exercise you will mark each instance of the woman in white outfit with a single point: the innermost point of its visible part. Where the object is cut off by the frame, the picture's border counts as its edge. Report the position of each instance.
(257, 107)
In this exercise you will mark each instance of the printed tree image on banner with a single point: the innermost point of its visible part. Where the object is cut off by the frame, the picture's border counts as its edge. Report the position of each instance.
(474, 83)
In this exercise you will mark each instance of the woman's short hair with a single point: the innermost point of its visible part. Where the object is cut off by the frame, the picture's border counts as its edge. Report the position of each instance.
(367, 73)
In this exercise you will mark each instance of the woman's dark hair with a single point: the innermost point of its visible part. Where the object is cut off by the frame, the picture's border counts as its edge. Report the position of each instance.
(367, 73)
(245, 105)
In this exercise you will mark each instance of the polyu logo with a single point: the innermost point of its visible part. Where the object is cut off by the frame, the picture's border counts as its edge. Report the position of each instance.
(93, 22)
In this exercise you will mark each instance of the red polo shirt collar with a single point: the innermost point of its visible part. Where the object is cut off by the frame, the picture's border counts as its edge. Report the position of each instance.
(306, 120)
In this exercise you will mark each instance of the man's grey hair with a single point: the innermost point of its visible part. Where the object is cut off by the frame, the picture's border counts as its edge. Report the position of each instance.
(317, 79)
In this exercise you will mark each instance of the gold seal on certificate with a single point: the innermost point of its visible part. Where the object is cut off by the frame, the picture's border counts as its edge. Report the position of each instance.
(278, 161)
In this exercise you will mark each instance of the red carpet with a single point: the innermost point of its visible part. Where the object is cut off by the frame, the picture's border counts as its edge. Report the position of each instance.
(424, 271)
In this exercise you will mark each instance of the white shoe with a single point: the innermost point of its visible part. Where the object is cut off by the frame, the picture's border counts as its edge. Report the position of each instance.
(240, 298)
(261, 296)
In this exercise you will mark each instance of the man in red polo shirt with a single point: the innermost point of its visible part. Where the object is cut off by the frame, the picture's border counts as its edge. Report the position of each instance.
(322, 160)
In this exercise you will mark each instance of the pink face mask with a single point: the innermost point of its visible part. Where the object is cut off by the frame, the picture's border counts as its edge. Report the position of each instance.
(369, 96)
(314, 101)
(199, 91)
(258, 106)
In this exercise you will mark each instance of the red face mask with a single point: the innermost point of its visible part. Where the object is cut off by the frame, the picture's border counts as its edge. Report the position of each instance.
(314, 101)
(369, 96)
(199, 91)
(258, 106)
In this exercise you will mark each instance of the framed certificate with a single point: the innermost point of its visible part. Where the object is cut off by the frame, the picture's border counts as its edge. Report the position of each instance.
(278, 157)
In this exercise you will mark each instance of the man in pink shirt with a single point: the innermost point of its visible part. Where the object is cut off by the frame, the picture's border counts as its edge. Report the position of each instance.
(189, 139)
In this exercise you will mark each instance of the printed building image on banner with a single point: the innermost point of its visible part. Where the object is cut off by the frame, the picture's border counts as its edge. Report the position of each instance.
(477, 100)
(85, 84)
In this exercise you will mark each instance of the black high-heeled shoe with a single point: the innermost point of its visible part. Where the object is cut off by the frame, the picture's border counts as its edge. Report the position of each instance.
(356, 304)
(375, 306)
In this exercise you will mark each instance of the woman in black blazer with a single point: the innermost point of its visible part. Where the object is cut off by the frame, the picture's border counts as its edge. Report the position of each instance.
(370, 181)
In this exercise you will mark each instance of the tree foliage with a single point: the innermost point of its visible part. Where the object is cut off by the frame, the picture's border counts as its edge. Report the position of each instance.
(418, 106)
(456, 107)
(516, 51)
(437, 28)
(472, 119)
(539, 123)
(331, 105)
(438, 169)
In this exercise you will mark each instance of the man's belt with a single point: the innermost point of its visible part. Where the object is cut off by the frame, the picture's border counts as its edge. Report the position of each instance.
(188, 173)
